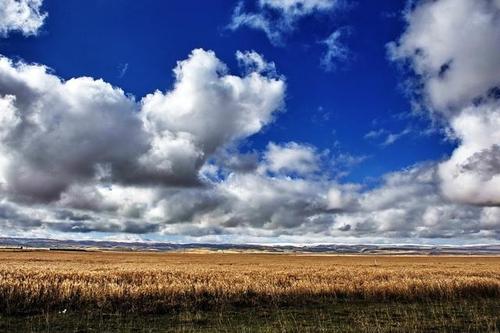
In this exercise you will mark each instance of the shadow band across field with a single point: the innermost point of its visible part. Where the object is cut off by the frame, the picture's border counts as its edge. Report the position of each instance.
(353, 316)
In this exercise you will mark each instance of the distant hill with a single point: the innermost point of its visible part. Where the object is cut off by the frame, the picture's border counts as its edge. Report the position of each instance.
(89, 245)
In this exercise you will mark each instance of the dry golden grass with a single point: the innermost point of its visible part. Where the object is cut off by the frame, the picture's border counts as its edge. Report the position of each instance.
(158, 282)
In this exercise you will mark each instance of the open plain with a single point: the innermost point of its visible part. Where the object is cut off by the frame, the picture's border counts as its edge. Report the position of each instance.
(291, 292)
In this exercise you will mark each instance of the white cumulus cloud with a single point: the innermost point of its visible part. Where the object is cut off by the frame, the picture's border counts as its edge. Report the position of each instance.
(453, 46)
(24, 16)
(291, 158)
(58, 133)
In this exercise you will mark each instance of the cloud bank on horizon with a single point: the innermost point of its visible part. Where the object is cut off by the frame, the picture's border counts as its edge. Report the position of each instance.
(82, 157)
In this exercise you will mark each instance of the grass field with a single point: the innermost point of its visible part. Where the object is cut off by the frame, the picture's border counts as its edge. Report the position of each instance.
(270, 292)
(353, 316)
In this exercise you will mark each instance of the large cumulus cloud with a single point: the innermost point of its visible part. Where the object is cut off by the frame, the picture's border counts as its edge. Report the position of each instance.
(472, 174)
(57, 133)
(207, 109)
(453, 47)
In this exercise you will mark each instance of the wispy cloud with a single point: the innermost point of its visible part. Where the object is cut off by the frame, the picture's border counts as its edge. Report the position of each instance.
(277, 18)
(387, 137)
(336, 51)
(122, 70)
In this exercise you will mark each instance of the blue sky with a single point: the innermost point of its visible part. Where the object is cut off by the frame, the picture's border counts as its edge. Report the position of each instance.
(381, 115)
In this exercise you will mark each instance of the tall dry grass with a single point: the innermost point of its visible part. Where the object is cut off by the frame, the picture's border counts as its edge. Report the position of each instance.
(154, 282)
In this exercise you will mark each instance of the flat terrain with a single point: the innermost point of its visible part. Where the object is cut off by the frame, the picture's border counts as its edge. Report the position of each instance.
(270, 292)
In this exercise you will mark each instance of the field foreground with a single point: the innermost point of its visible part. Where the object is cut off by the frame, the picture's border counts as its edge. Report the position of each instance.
(114, 282)
(47, 291)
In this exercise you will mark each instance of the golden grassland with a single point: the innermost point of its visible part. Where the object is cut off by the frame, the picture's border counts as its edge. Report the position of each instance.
(44, 281)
